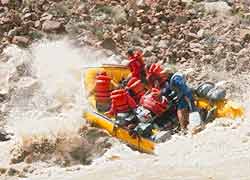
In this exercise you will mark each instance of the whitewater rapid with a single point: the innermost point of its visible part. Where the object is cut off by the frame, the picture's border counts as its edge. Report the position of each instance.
(221, 151)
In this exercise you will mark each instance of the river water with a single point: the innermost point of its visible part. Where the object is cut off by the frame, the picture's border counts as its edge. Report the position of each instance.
(221, 151)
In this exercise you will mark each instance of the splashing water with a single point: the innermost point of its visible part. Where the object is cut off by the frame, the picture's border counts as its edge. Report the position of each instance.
(57, 102)
(47, 102)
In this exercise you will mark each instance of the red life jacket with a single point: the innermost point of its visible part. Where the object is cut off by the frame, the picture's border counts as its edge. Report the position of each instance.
(102, 88)
(136, 66)
(139, 56)
(154, 73)
(136, 86)
(120, 100)
(149, 102)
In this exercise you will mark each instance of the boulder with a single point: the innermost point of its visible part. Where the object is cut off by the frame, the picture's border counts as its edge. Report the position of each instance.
(21, 40)
(148, 51)
(4, 136)
(245, 35)
(119, 15)
(108, 43)
(53, 26)
(13, 172)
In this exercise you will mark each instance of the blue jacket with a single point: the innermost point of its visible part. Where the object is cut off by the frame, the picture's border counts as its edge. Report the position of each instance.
(178, 83)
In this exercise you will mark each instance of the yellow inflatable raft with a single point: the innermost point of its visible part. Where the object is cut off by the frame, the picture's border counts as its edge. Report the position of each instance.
(224, 108)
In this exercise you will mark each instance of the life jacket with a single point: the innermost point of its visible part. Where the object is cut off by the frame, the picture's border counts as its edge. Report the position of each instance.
(120, 100)
(102, 88)
(136, 67)
(154, 105)
(138, 55)
(135, 85)
(154, 73)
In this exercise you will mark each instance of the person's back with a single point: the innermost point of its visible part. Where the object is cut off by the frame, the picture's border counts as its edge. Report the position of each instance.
(185, 103)
(178, 83)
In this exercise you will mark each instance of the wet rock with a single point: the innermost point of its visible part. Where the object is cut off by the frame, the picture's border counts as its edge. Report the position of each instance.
(109, 43)
(93, 134)
(245, 35)
(13, 172)
(17, 155)
(53, 26)
(4, 136)
(21, 41)
(148, 51)
(2, 9)
(148, 29)
(3, 171)
(135, 38)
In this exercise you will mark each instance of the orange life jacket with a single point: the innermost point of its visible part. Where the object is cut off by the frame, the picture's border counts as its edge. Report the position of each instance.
(120, 100)
(136, 65)
(151, 103)
(154, 73)
(102, 88)
(139, 56)
(136, 86)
